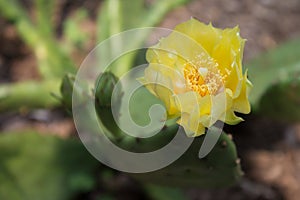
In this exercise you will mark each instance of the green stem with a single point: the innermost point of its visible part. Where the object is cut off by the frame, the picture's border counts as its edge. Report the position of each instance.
(28, 95)
(44, 11)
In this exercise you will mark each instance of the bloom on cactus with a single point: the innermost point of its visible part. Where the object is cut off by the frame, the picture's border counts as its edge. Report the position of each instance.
(191, 69)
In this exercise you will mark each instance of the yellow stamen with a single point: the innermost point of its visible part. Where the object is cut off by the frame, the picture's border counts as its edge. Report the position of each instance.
(209, 82)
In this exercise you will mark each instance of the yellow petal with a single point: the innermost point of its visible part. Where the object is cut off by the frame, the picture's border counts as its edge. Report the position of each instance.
(165, 76)
(234, 80)
(231, 118)
(162, 82)
(241, 103)
(191, 101)
(206, 35)
(191, 125)
(229, 49)
(177, 54)
(220, 104)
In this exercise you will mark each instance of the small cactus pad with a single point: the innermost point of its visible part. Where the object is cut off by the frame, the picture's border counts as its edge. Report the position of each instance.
(282, 101)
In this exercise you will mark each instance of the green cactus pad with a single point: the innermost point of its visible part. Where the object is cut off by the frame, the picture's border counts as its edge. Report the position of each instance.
(271, 68)
(219, 168)
(282, 101)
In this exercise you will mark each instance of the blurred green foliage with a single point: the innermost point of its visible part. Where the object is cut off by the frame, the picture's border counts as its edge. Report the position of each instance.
(74, 36)
(35, 167)
(273, 67)
(120, 15)
(276, 81)
(40, 35)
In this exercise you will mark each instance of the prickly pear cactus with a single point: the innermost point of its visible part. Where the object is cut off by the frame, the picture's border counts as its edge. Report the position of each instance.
(219, 168)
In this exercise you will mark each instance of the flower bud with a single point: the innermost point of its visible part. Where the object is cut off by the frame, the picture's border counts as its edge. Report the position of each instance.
(66, 90)
(105, 85)
(104, 88)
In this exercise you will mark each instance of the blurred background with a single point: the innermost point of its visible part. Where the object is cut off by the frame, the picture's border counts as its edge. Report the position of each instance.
(40, 154)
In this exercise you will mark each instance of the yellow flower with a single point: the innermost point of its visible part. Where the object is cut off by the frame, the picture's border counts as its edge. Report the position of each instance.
(197, 72)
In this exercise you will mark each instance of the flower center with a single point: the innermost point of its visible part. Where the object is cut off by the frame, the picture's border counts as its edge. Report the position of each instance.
(203, 80)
